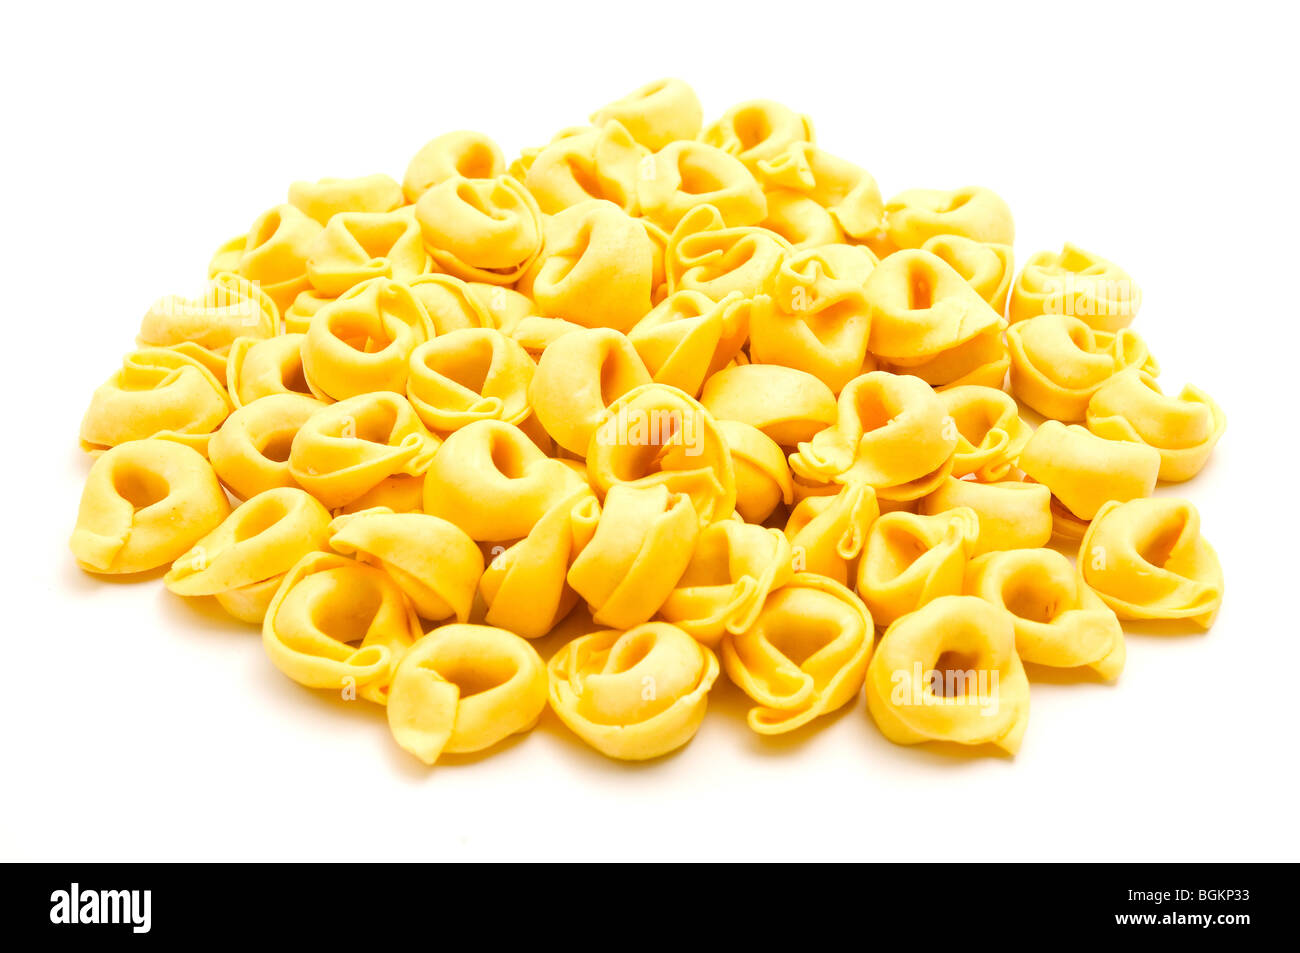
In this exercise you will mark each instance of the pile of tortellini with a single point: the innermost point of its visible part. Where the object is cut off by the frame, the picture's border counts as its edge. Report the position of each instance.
(700, 382)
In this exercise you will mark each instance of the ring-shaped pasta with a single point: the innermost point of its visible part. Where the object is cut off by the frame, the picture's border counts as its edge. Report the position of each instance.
(762, 476)
(656, 114)
(259, 368)
(827, 533)
(467, 375)
(251, 450)
(786, 404)
(273, 254)
(986, 267)
(848, 193)
(470, 155)
(990, 433)
(688, 337)
(1012, 515)
(325, 198)
(360, 246)
(758, 129)
(602, 163)
(231, 307)
(704, 254)
(910, 559)
(686, 174)
(1078, 284)
(915, 216)
(487, 230)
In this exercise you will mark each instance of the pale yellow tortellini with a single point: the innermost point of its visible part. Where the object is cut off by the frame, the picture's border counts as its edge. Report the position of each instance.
(463, 688)
(338, 624)
(597, 269)
(358, 246)
(487, 230)
(242, 562)
(259, 368)
(950, 672)
(434, 562)
(915, 216)
(828, 533)
(734, 567)
(468, 375)
(1012, 515)
(470, 155)
(817, 318)
(800, 220)
(657, 113)
(504, 307)
(326, 198)
(401, 493)
(987, 267)
(762, 476)
(805, 654)
(687, 174)
(452, 304)
(158, 392)
(688, 337)
(525, 586)
(600, 163)
(786, 404)
(892, 433)
(657, 435)
(251, 450)
(1184, 429)
(910, 559)
(848, 193)
(362, 342)
(1058, 362)
(231, 308)
(990, 433)
(758, 129)
(494, 482)
(297, 317)
(273, 253)
(345, 450)
(704, 254)
(1059, 621)
(1078, 284)
(144, 503)
(1084, 471)
(1147, 559)
(635, 694)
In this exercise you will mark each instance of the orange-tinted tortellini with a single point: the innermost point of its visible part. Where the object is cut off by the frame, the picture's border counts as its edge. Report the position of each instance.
(325, 198)
(1184, 429)
(657, 435)
(734, 567)
(1077, 284)
(242, 562)
(601, 163)
(950, 672)
(828, 533)
(686, 174)
(762, 475)
(259, 368)
(758, 129)
(848, 193)
(986, 267)
(158, 392)
(359, 246)
(144, 503)
(468, 375)
(347, 449)
(231, 307)
(251, 450)
(463, 688)
(434, 562)
(892, 433)
(1147, 559)
(910, 560)
(273, 254)
(688, 337)
(656, 114)
(597, 270)
(1058, 362)
(1059, 621)
(633, 695)
(914, 217)
(706, 255)
(1012, 515)
(469, 155)
(788, 405)
(338, 624)
(363, 341)
(805, 654)
(493, 482)
(487, 230)
(990, 433)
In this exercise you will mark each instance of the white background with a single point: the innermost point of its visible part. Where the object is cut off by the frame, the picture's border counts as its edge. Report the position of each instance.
(136, 726)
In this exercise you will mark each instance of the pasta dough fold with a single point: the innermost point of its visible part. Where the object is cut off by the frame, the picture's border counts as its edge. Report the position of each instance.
(467, 375)
(231, 307)
(1078, 284)
(487, 230)
(251, 450)
(1184, 429)
(656, 114)
(686, 174)
(360, 246)
(910, 560)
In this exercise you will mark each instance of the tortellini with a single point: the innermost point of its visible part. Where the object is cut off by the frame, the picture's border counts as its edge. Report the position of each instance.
(231, 308)
(487, 230)
(602, 163)
(657, 113)
(467, 375)
(261, 367)
(273, 254)
(848, 194)
(758, 129)
(990, 433)
(326, 198)
(464, 154)
(910, 560)
(986, 267)
(1012, 514)
(688, 337)
(828, 533)
(914, 217)
(1078, 284)
(785, 404)
(359, 246)
(687, 175)
(708, 255)
(762, 476)
(251, 450)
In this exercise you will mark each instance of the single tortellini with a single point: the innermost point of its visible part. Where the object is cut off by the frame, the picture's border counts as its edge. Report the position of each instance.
(950, 672)
(687, 174)
(434, 562)
(635, 694)
(704, 254)
(597, 270)
(452, 304)
(1084, 471)
(145, 502)
(688, 337)
(657, 435)
(469, 155)
(734, 567)
(359, 246)
(468, 375)
(251, 450)
(258, 368)
(242, 562)
(1184, 429)
(910, 559)
(463, 688)
(338, 624)
(915, 216)
(601, 163)
(757, 130)
(525, 586)
(273, 253)
(347, 449)
(786, 404)
(1058, 362)
(363, 341)
(892, 433)
(326, 198)
(1147, 559)
(1078, 284)
(987, 267)
(656, 114)
(494, 482)
(158, 392)
(762, 475)
(1059, 621)
(800, 220)
(805, 654)
(1012, 515)
(231, 308)
(487, 230)
(990, 433)
(828, 533)
(848, 193)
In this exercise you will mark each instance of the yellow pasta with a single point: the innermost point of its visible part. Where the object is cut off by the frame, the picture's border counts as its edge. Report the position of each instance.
(707, 255)
(990, 433)
(468, 375)
(800, 220)
(758, 129)
(273, 253)
(914, 217)
(601, 163)
(326, 198)
(688, 337)
(910, 560)
(251, 450)
(848, 193)
(297, 317)
(262, 367)
(686, 175)
(231, 307)
(487, 230)
(358, 246)
(1012, 515)
(786, 404)
(1078, 284)
(986, 267)
(828, 533)
(762, 475)
(469, 155)
(656, 114)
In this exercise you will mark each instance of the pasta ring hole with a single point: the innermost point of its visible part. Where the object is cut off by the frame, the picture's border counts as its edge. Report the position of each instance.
(346, 615)
(265, 515)
(957, 673)
(1158, 549)
(475, 676)
(476, 162)
(277, 445)
(629, 653)
(140, 488)
(1030, 603)
(752, 126)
